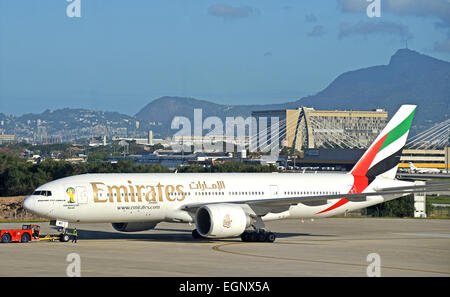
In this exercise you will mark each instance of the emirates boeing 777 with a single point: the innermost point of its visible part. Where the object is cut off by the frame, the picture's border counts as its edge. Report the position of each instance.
(227, 204)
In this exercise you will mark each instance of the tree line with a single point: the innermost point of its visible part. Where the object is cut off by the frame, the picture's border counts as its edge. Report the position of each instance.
(20, 177)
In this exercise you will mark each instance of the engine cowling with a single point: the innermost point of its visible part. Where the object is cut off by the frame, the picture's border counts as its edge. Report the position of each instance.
(134, 227)
(221, 220)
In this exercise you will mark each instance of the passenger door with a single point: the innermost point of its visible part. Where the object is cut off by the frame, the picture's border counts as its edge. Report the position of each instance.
(273, 191)
(82, 197)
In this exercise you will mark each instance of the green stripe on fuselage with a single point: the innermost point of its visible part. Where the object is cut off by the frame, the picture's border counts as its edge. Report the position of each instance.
(398, 131)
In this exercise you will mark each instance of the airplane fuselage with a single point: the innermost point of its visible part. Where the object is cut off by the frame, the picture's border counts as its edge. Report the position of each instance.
(148, 197)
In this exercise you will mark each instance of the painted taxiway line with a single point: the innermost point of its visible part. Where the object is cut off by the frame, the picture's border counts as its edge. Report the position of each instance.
(220, 248)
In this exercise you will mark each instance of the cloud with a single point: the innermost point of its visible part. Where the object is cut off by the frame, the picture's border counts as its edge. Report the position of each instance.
(439, 10)
(317, 31)
(442, 46)
(310, 18)
(370, 28)
(230, 12)
(352, 5)
(268, 54)
(422, 8)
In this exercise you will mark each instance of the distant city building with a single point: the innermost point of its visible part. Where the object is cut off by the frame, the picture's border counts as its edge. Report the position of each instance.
(96, 143)
(120, 132)
(150, 137)
(145, 141)
(210, 143)
(429, 148)
(7, 138)
(171, 159)
(426, 158)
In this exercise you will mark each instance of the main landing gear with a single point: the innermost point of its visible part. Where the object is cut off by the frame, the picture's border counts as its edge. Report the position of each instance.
(259, 235)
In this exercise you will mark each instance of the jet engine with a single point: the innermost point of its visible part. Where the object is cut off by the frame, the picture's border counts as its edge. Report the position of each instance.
(221, 220)
(134, 227)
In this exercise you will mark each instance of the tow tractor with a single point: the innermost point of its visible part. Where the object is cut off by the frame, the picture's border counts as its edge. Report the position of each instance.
(29, 233)
(26, 234)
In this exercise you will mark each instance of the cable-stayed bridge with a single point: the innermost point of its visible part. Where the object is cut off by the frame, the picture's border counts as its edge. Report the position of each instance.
(434, 138)
(428, 149)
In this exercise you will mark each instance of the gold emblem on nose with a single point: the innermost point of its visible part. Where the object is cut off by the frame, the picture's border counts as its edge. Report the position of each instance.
(71, 192)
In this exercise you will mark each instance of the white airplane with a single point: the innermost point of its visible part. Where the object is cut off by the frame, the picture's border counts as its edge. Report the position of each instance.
(227, 204)
(414, 169)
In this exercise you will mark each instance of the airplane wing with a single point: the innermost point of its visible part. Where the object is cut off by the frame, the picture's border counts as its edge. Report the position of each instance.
(443, 186)
(263, 206)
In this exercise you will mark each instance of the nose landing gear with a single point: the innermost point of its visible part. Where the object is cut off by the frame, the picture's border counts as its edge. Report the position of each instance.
(61, 226)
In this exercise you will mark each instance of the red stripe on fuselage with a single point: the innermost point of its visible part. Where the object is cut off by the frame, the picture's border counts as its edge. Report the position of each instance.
(336, 205)
(359, 184)
(360, 181)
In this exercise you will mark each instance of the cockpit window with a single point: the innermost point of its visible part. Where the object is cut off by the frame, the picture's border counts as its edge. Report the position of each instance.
(42, 193)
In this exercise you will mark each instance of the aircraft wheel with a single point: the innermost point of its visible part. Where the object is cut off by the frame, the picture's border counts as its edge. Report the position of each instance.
(64, 237)
(261, 236)
(245, 237)
(253, 236)
(271, 237)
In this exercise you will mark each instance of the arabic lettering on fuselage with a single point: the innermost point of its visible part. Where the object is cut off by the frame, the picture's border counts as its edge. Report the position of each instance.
(203, 186)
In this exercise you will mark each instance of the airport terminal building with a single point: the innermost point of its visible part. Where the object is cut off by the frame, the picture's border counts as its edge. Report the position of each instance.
(308, 129)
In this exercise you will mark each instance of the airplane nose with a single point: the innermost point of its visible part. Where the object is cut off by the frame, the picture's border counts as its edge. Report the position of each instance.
(28, 203)
(33, 205)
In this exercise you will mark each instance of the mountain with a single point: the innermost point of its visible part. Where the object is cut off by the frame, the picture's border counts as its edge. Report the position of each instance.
(410, 77)
(164, 109)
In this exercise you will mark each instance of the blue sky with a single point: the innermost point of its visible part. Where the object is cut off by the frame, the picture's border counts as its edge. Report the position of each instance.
(120, 55)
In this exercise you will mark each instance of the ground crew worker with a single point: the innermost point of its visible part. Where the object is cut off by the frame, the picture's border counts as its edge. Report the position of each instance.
(75, 235)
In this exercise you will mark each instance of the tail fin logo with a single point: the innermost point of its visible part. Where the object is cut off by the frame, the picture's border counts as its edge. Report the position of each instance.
(384, 154)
